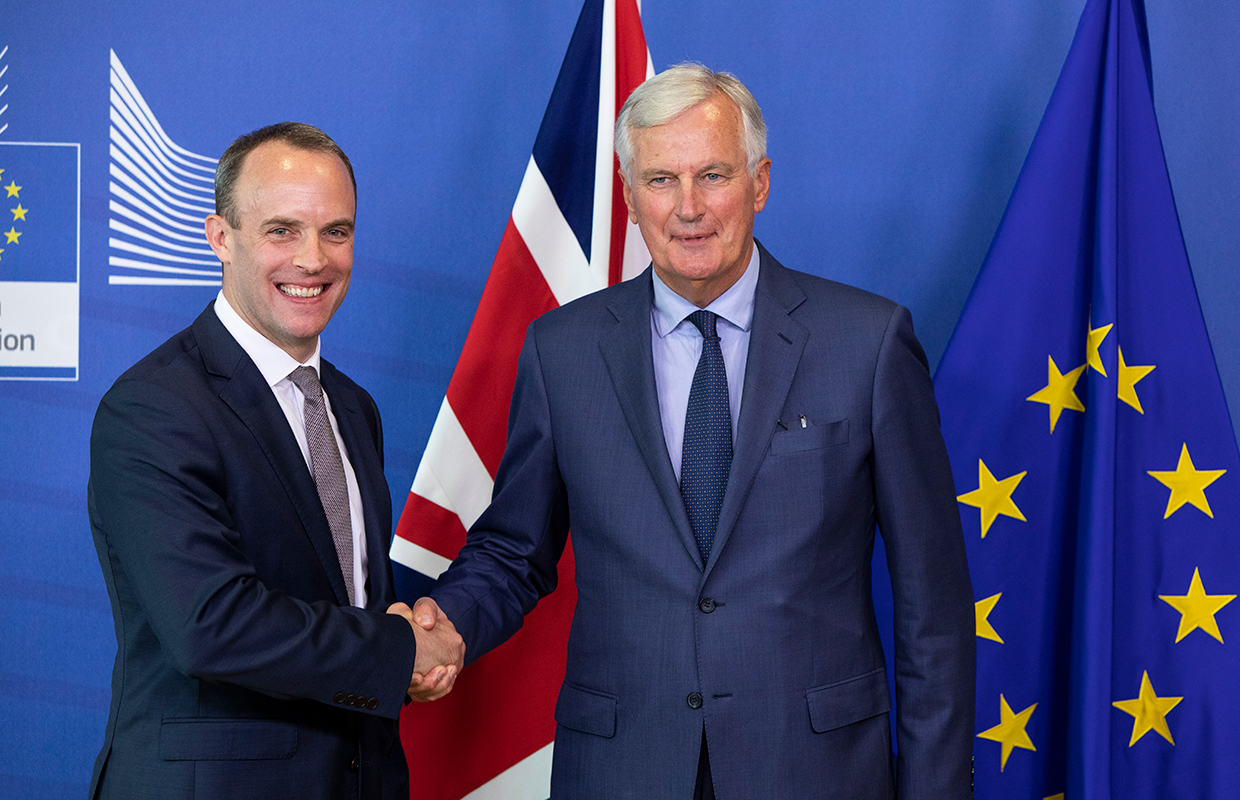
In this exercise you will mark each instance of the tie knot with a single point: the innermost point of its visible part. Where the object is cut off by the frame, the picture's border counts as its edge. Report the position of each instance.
(306, 379)
(704, 321)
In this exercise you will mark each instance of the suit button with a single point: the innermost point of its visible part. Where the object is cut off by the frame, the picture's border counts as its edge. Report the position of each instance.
(350, 699)
(361, 701)
(372, 704)
(706, 605)
(339, 698)
(695, 700)
(353, 765)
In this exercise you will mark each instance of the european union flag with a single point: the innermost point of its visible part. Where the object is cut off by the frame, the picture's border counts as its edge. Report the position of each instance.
(38, 212)
(1098, 468)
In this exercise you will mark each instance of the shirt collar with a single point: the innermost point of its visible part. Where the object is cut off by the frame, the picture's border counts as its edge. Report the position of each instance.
(274, 364)
(735, 305)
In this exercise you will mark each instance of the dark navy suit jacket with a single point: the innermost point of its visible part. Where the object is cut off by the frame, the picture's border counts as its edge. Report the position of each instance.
(241, 670)
(772, 644)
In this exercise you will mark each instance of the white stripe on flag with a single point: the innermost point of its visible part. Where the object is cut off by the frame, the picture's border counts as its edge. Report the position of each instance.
(451, 474)
(551, 241)
(604, 151)
(415, 556)
(529, 779)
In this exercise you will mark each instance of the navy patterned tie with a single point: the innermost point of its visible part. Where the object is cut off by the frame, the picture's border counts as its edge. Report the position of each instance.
(707, 453)
(328, 469)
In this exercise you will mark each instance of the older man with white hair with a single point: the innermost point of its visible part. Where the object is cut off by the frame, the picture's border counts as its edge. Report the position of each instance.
(723, 434)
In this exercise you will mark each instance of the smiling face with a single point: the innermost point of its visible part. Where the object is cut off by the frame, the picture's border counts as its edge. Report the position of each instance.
(694, 200)
(287, 264)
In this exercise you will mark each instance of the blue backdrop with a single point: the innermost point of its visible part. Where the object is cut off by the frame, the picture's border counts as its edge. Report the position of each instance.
(897, 130)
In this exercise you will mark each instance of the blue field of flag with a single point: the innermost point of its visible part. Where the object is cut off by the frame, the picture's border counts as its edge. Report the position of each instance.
(38, 212)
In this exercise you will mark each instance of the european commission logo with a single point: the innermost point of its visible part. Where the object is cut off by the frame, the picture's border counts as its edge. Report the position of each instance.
(159, 195)
(39, 245)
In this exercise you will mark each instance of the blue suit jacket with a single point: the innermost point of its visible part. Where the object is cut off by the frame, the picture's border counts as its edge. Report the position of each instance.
(241, 671)
(772, 644)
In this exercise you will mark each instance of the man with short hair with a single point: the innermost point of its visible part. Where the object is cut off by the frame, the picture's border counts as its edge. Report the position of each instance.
(722, 434)
(242, 521)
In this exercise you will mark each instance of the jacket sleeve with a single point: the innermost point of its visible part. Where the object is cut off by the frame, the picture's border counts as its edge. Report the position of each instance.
(511, 553)
(920, 522)
(177, 562)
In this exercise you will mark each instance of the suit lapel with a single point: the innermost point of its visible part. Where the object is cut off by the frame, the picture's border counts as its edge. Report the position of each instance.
(776, 342)
(627, 353)
(245, 391)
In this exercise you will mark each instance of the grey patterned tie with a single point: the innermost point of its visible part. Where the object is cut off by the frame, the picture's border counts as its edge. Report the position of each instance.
(328, 469)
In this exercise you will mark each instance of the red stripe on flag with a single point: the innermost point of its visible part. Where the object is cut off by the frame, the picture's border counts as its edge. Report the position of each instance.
(630, 72)
(619, 227)
(508, 695)
(431, 525)
(480, 392)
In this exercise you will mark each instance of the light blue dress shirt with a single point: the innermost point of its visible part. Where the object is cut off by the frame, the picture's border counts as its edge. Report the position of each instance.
(677, 346)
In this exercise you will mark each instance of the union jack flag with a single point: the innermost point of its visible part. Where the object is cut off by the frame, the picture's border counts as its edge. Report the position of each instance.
(568, 235)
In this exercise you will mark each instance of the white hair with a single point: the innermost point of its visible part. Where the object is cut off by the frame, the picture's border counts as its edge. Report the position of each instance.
(674, 91)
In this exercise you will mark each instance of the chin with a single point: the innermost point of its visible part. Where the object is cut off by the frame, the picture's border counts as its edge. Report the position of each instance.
(698, 270)
(304, 328)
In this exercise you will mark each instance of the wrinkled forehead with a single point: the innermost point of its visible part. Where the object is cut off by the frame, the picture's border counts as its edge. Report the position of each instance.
(710, 131)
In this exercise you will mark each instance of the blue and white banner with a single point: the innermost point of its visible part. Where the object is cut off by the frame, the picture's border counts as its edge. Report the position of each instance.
(39, 260)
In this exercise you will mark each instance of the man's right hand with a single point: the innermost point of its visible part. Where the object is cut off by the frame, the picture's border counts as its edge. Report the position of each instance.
(440, 649)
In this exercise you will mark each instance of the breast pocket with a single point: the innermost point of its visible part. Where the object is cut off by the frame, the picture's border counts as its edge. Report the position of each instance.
(813, 437)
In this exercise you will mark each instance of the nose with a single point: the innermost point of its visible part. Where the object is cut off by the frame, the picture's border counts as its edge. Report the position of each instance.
(310, 256)
(689, 206)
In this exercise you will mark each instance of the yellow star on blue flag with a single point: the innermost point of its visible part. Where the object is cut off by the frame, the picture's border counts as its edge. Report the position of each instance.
(1187, 484)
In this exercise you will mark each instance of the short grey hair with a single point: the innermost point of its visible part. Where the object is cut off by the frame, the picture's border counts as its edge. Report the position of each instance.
(674, 91)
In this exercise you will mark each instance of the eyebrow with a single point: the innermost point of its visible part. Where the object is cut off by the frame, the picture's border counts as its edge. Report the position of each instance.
(714, 166)
(289, 222)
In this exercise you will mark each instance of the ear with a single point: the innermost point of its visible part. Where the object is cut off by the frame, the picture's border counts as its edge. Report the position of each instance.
(763, 185)
(219, 236)
(628, 197)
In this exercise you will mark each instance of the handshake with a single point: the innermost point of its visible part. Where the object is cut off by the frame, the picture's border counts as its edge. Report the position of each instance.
(441, 651)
